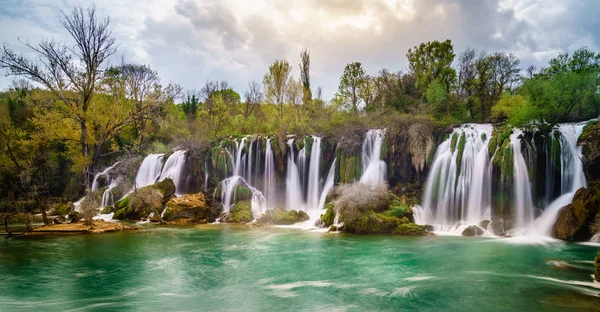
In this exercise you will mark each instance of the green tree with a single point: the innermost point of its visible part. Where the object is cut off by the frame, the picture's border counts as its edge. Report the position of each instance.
(190, 106)
(352, 79)
(275, 83)
(432, 61)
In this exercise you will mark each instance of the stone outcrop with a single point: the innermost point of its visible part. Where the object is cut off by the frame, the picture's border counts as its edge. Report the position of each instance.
(573, 222)
(144, 201)
(189, 208)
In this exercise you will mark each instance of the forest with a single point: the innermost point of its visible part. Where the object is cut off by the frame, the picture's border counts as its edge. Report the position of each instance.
(70, 112)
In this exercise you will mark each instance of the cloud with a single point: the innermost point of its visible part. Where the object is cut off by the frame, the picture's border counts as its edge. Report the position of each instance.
(191, 41)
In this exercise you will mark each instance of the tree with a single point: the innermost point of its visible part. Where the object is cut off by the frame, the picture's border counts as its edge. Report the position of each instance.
(367, 92)
(70, 73)
(305, 77)
(350, 83)
(275, 83)
(252, 99)
(190, 105)
(432, 61)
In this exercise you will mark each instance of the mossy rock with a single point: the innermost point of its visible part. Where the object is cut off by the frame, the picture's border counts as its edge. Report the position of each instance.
(461, 148)
(144, 201)
(241, 212)
(62, 209)
(453, 142)
(283, 217)
(190, 208)
(107, 210)
(573, 222)
(329, 216)
(373, 223)
(243, 192)
(410, 229)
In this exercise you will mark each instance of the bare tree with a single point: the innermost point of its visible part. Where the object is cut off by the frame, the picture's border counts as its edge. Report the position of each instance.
(69, 72)
(252, 98)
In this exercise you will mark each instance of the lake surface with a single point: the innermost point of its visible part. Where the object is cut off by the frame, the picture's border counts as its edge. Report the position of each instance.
(210, 268)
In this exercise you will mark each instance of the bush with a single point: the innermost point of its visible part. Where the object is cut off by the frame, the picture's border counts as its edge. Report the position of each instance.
(357, 198)
(241, 212)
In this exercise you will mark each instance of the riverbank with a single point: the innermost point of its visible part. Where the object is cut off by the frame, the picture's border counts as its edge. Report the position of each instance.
(97, 227)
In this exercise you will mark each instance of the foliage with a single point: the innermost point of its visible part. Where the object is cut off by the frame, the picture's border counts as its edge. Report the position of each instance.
(351, 82)
(432, 61)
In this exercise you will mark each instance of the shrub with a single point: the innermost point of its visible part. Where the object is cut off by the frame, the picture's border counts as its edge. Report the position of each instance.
(357, 198)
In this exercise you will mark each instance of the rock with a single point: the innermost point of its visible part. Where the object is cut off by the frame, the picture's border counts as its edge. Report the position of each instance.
(590, 140)
(283, 217)
(189, 208)
(498, 227)
(409, 229)
(107, 210)
(428, 227)
(597, 267)
(144, 201)
(484, 224)
(472, 230)
(241, 212)
(574, 220)
(329, 216)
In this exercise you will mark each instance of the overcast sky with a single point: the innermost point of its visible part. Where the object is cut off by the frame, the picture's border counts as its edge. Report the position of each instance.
(191, 41)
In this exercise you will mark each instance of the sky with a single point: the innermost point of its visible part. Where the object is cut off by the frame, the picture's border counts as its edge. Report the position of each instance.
(191, 41)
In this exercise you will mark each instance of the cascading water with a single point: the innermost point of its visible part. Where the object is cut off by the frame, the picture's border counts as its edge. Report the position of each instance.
(269, 176)
(373, 168)
(173, 169)
(458, 191)
(458, 188)
(112, 181)
(150, 170)
(312, 197)
(293, 190)
(523, 202)
(231, 184)
(572, 176)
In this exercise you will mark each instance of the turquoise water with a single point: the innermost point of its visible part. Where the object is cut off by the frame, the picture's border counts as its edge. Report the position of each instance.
(231, 268)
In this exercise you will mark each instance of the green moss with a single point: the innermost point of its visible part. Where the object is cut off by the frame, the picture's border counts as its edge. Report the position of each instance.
(483, 137)
(397, 211)
(329, 216)
(168, 214)
(588, 128)
(242, 192)
(409, 229)
(453, 142)
(373, 223)
(241, 212)
(461, 149)
(107, 210)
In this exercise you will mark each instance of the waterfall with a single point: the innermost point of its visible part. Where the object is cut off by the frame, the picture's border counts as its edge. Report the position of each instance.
(150, 170)
(523, 202)
(459, 189)
(572, 176)
(293, 189)
(312, 198)
(269, 176)
(105, 173)
(229, 185)
(373, 168)
(173, 169)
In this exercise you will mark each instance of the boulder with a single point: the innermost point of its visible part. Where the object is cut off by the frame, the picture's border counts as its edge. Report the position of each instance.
(497, 226)
(410, 229)
(484, 224)
(241, 212)
(283, 217)
(189, 208)
(472, 230)
(329, 216)
(573, 222)
(428, 227)
(144, 201)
